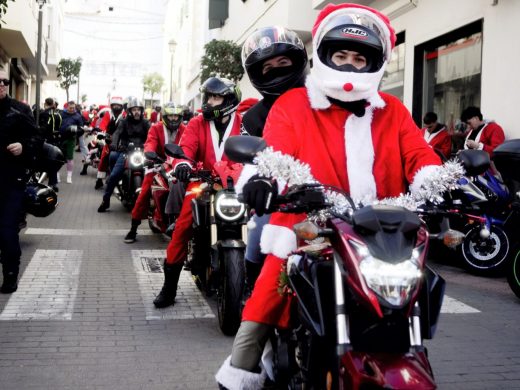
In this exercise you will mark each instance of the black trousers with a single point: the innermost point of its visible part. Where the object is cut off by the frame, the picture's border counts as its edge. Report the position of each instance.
(11, 207)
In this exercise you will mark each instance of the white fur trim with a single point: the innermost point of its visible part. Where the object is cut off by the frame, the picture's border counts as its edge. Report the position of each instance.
(318, 98)
(278, 240)
(360, 156)
(101, 175)
(247, 173)
(420, 176)
(233, 378)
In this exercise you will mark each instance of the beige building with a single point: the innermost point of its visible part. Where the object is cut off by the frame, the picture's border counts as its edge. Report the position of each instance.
(449, 54)
(18, 42)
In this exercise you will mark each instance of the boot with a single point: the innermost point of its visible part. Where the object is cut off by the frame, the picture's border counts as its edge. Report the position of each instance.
(99, 184)
(130, 237)
(84, 170)
(252, 272)
(10, 284)
(166, 297)
(104, 206)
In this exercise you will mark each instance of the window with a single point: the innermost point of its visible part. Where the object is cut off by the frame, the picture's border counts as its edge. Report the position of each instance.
(448, 74)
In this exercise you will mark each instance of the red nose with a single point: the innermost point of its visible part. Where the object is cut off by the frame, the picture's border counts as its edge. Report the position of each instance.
(348, 87)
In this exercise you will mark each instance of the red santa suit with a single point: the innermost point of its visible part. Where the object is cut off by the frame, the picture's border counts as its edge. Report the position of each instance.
(373, 156)
(155, 117)
(158, 136)
(439, 140)
(488, 137)
(200, 143)
(108, 125)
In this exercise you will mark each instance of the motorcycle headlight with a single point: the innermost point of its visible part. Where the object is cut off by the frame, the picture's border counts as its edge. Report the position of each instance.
(392, 282)
(228, 208)
(137, 159)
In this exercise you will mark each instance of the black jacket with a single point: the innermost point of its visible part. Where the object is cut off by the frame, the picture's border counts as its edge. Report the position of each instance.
(129, 131)
(17, 125)
(253, 121)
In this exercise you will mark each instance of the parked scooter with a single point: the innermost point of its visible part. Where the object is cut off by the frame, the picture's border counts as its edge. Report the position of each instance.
(216, 255)
(130, 185)
(364, 296)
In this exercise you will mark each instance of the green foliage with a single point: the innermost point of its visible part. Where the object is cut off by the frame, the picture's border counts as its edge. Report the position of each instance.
(3, 10)
(68, 72)
(221, 59)
(84, 98)
(153, 83)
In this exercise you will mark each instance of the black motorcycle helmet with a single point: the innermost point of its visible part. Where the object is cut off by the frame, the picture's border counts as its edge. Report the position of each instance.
(171, 109)
(50, 158)
(357, 33)
(267, 43)
(223, 87)
(40, 200)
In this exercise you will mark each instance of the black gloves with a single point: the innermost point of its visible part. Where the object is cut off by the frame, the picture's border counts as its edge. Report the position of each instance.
(182, 172)
(259, 193)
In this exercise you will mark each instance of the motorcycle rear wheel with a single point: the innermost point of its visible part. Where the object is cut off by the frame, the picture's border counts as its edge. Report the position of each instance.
(513, 274)
(230, 290)
(485, 256)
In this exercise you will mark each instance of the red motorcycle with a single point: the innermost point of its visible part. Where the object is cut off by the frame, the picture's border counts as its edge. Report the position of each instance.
(364, 297)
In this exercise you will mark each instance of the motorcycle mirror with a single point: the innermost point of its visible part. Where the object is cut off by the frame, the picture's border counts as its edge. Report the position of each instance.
(175, 151)
(243, 149)
(475, 162)
(150, 155)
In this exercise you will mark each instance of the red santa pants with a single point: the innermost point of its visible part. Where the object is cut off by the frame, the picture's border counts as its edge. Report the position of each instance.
(140, 210)
(177, 250)
(103, 160)
(267, 304)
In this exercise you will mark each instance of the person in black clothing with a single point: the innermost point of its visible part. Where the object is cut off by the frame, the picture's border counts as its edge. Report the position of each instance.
(50, 123)
(133, 129)
(20, 142)
(275, 60)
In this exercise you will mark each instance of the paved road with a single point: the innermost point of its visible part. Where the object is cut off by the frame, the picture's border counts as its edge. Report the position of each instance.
(83, 319)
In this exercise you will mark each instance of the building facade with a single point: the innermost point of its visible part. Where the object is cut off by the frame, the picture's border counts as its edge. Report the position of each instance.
(18, 47)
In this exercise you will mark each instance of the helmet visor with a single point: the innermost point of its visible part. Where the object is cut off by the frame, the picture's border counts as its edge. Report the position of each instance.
(263, 42)
(349, 21)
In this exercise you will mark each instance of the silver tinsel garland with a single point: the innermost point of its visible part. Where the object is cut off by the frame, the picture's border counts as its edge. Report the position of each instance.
(290, 171)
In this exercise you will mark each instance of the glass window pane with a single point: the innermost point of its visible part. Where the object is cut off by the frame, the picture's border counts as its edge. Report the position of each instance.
(393, 79)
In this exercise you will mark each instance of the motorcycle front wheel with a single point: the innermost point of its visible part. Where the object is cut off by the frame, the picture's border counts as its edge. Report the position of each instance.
(230, 290)
(513, 274)
(485, 256)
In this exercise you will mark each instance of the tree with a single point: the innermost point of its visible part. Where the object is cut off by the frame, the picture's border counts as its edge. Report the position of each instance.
(68, 72)
(84, 98)
(221, 59)
(3, 10)
(153, 83)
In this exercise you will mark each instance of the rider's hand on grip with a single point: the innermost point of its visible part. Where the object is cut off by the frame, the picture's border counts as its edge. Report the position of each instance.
(182, 172)
(259, 193)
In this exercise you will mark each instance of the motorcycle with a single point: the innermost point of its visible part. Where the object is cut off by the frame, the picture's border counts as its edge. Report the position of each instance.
(157, 218)
(130, 185)
(217, 249)
(481, 208)
(364, 297)
(95, 144)
(506, 158)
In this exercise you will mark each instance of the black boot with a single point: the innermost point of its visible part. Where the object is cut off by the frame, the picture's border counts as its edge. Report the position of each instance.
(99, 184)
(84, 170)
(10, 284)
(130, 237)
(171, 278)
(252, 272)
(104, 206)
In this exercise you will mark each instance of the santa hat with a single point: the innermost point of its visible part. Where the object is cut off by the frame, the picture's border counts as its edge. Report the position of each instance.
(347, 86)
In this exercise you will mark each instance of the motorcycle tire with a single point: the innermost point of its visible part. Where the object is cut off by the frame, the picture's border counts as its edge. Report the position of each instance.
(487, 256)
(513, 274)
(230, 289)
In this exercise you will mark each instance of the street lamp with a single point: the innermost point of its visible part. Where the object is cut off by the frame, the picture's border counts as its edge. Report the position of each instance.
(39, 58)
(172, 44)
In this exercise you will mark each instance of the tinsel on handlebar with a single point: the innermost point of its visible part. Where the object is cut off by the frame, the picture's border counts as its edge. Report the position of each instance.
(293, 173)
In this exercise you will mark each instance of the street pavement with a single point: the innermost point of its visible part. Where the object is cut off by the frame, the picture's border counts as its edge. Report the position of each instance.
(83, 316)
